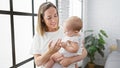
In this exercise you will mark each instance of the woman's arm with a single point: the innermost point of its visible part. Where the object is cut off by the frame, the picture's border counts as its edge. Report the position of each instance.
(66, 61)
(42, 59)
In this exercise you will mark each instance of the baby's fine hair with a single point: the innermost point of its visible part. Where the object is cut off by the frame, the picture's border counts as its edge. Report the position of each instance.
(75, 23)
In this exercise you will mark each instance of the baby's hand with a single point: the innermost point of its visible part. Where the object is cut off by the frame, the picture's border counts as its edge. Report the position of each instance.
(63, 44)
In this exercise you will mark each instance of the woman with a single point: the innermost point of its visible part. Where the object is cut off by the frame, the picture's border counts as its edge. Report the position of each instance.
(47, 40)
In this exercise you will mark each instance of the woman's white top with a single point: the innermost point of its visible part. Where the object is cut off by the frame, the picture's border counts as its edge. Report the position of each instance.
(40, 44)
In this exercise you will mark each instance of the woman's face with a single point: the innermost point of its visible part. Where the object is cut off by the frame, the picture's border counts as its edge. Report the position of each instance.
(51, 19)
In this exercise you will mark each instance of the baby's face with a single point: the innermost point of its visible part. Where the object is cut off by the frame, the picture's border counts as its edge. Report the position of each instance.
(68, 33)
(67, 30)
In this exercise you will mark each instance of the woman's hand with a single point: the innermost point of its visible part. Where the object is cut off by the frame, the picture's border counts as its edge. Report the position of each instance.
(53, 47)
(56, 56)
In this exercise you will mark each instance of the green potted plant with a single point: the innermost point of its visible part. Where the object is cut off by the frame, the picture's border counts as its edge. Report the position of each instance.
(95, 43)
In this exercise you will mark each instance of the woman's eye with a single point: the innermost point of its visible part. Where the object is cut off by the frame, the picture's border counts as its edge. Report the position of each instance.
(49, 18)
(55, 15)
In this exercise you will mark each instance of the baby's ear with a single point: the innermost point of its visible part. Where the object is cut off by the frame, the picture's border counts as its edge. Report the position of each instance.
(76, 31)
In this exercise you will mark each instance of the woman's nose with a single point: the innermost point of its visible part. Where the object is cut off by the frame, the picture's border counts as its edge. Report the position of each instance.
(53, 20)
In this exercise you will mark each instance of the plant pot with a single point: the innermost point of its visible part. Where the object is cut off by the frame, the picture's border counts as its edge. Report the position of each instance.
(91, 65)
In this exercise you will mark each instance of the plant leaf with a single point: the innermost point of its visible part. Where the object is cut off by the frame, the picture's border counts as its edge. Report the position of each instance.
(101, 41)
(100, 52)
(103, 33)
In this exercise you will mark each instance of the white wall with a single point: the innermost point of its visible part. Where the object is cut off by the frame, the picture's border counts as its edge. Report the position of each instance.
(104, 14)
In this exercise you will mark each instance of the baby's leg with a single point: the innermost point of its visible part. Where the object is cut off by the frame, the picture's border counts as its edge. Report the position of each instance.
(57, 56)
(52, 60)
(76, 66)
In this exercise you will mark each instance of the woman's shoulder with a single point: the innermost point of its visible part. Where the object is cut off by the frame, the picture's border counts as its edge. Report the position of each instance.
(37, 36)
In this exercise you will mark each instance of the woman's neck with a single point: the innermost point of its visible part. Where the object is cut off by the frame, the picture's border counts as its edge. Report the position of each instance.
(52, 30)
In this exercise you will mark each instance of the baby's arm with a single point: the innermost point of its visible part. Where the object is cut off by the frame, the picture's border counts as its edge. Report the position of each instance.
(70, 46)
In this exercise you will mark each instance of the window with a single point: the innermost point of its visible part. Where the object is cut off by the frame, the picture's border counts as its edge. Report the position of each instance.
(18, 21)
(5, 42)
(75, 8)
(4, 5)
(53, 1)
(18, 25)
(22, 6)
(69, 8)
(23, 37)
(37, 4)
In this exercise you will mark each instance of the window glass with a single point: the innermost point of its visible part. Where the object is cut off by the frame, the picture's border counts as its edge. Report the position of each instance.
(23, 37)
(37, 4)
(22, 5)
(53, 1)
(5, 42)
(75, 8)
(4, 5)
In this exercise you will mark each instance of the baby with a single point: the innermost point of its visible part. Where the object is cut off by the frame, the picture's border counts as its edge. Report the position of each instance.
(70, 44)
